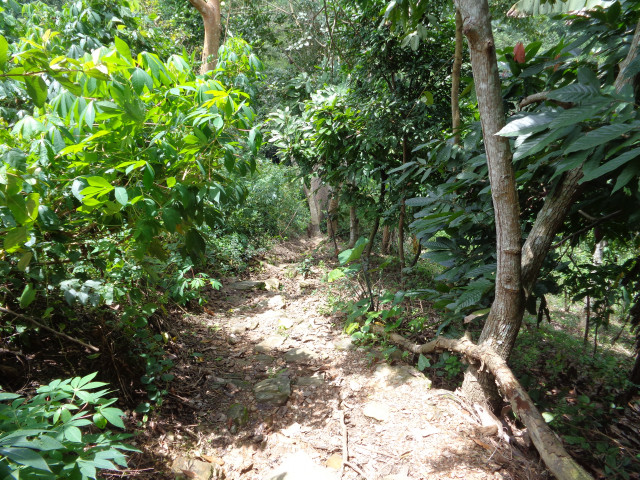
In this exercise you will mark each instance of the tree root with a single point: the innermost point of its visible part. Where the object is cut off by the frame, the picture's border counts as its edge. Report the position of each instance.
(549, 446)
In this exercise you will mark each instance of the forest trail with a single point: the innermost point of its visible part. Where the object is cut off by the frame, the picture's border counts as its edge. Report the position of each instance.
(267, 386)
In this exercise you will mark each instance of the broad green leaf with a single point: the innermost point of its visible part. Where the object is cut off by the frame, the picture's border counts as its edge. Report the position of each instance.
(423, 362)
(353, 253)
(531, 123)
(99, 182)
(140, 79)
(121, 196)
(538, 142)
(611, 165)
(25, 456)
(600, 136)
(628, 174)
(28, 296)
(4, 52)
(37, 89)
(113, 416)
(15, 238)
(48, 218)
(572, 116)
(89, 115)
(171, 218)
(73, 434)
(195, 244)
(335, 274)
(24, 261)
(122, 48)
(575, 93)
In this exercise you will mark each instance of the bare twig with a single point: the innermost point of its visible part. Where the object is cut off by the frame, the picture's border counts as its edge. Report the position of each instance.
(49, 329)
(587, 228)
(345, 442)
(356, 469)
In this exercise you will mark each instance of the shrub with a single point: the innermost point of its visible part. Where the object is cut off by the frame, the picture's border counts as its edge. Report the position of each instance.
(60, 432)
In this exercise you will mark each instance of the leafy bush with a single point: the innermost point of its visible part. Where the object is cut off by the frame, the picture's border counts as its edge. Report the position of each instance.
(43, 437)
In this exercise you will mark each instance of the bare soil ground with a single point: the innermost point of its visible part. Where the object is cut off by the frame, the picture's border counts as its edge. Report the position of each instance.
(343, 401)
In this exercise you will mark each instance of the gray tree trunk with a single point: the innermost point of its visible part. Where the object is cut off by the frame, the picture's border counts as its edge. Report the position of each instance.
(354, 226)
(210, 12)
(502, 325)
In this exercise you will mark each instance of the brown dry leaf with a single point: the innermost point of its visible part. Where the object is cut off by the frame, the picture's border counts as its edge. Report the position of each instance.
(210, 459)
(334, 461)
(188, 473)
(482, 444)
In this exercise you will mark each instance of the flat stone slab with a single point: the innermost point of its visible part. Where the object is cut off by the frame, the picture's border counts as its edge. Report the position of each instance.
(272, 284)
(247, 285)
(275, 391)
(376, 410)
(388, 375)
(299, 466)
(189, 468)
(308, 381)
(269, 344)
(344, 343)
(300, 355)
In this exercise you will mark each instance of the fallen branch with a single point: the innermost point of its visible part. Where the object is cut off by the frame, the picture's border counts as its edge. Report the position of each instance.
(49, 329)
(550, 448)
(541, 97)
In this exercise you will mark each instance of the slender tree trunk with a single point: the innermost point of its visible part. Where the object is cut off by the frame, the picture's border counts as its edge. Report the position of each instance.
(332, 218)
(386, 239)
(315, 194)
(502, 325)
(210, 12)
(403, 208)
(455, 80)
(587, 321)
(354, 226)
(366, 254)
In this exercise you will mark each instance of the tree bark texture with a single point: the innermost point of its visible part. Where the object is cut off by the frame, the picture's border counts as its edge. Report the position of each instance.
(316, 195)
(403, 209)
(386, 239)
(455, 80)
(623, 79)
(555, 457)
(548, 222)
(502, 325)
(354, 226)
(210, 12)
(332, 213)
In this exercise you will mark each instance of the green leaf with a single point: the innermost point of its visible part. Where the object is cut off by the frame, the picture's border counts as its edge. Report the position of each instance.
(423, 362)
(611, 165)
(171, 218)
(4, 52)
(575, 93)
(15, 238)
(531, 123)
(113, 416)
(630, 172)
(572, 116)
(73, 434)
(195, 244)
(48, 218)
(353, 253)
(548, 417)
(25, 456)
(89, 115)
(37, 89)
(28, 296)
(24, 261)
(121, 196)
(335, 274)
(140, 79)
(122, 48)
(601, 135)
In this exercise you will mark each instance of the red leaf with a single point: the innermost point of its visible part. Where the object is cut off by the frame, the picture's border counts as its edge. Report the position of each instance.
(518, 53)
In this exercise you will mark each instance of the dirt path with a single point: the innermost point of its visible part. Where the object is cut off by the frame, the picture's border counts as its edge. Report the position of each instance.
(268, 387)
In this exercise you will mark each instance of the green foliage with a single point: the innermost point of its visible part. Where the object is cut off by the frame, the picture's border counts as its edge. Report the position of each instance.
(61, 432)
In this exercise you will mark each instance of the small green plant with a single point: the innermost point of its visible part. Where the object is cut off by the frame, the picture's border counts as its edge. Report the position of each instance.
(61, 432)
(448, 365)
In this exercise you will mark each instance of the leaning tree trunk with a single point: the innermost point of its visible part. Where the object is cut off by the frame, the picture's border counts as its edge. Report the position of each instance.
(210, 12)
(502, 325)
